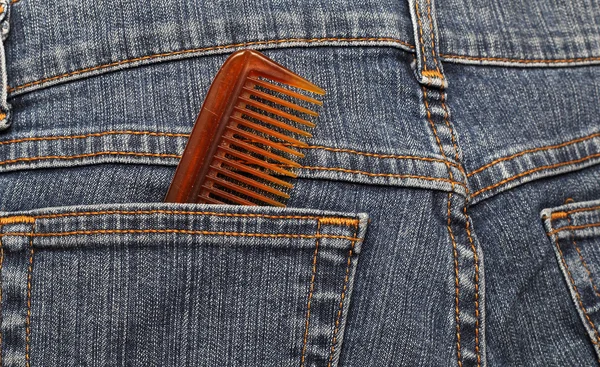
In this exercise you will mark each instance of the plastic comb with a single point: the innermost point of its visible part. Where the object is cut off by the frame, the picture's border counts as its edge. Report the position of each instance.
(244, 137)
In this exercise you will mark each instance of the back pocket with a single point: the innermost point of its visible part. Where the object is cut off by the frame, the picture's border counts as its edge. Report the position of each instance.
(175, 285)
(574, 229)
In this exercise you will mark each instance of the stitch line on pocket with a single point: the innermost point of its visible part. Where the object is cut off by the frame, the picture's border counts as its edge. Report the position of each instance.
(572, 228)
(180, 231)
(94, 135)
(20, 219)
(342, 296)
(595, 340)
(210, 48)
(534, 170)
(310, 294)
(583, 262)
(533, 150)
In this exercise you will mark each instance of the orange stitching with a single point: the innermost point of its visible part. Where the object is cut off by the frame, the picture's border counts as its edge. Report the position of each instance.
(571, 228)
(578, 296)
(377, 155)
(16, 219)
(582, 210)
(218, 214)
(86, 155)
(421, 35)
(123, 132)
(180, 231)
(342, 297)
(14, 1)
(520, 61)
(211, 48)
(587, 270)
(28, 317)
(432, 73)
(456, 281)
(182, 135)
(384, 174)
(540, 168)
(431, 35)
(476, 261)
(548, 147)
(310, 294)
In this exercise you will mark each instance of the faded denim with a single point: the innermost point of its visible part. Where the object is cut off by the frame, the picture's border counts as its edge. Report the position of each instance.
(446, 212)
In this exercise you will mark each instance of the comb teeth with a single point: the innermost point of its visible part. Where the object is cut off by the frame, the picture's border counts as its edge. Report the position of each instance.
(237, 148)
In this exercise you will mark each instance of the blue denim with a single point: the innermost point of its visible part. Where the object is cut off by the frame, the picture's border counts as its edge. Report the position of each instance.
(446, 212)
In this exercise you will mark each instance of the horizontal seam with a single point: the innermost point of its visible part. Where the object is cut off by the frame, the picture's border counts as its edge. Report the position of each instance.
(184, 135)
(377, 155)
(179, 231)
(521, 61)
(86, 155)
(537, 169)
(549, 147)
(183, 212)
(573, 228)
(91, 135)
(392, 175)
(202, 49)
(579, 210)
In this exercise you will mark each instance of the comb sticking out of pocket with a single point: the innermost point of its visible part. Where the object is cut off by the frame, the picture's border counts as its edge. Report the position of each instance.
(245, 135)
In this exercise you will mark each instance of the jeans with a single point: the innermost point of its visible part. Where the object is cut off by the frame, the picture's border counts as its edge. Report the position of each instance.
(446, 212)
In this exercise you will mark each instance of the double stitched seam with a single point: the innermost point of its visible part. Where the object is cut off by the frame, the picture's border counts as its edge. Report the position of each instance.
(392, 175)
(88, 155)
(211, 48)
(340, 220)
(342, 296)
(582, 210)
(28, 317)
(520, 61)
(534, 170)
(583, 262)
(310, 294)
(181, 231)
(549, 147)
(577, 294)
(431, 35)
(183, 135)
(571, 228)
(93, 135)
(450, 231)
(468, 230)
(421, 35)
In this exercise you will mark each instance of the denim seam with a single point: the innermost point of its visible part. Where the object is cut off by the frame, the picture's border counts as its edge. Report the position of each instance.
(28, 315)
(594, 341)
(342, 296)
(177, 231)
(573, 228)
(191, 52)
(581, 259)
(182, 212)
(310, 294)
(528, 151)
(534, 170)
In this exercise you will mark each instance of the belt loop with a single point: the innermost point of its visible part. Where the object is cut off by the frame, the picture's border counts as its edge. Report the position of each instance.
(429, 67)
(5, 109)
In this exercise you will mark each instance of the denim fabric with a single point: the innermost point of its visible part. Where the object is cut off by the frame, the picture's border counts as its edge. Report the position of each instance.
(467, 132)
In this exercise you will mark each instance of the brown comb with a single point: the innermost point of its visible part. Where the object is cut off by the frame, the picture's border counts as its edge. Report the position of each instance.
(245, 135)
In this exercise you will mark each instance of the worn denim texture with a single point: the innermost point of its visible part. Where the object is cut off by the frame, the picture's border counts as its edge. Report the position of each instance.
(445, 214)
